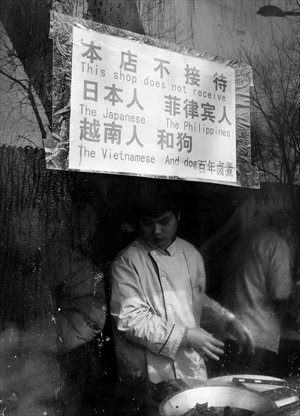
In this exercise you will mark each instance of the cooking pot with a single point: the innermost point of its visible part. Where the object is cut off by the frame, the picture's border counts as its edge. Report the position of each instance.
(252, 381)
(217, 396)
(275, 388)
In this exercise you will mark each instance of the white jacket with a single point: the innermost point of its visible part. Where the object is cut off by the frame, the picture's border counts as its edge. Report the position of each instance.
(155, 297)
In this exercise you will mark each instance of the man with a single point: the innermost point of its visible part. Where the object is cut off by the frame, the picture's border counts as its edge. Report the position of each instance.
(158, 293)
(259, 286)
(52, 305)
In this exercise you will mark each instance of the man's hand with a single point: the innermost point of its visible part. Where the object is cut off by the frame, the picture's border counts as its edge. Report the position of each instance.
(239, 333)
(204, 343)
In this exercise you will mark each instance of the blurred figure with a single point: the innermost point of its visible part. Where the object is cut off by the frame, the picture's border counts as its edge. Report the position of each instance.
(52, 301)
(258, 285)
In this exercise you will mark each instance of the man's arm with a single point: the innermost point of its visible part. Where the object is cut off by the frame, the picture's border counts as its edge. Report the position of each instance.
(279, 277)
(134, 318)
(79, 314)
(234, 329)
(81, 311)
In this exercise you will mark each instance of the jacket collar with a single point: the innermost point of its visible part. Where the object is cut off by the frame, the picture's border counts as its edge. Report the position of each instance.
(170, 251)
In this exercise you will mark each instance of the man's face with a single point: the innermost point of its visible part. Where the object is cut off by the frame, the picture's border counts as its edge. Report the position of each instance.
(160, 230)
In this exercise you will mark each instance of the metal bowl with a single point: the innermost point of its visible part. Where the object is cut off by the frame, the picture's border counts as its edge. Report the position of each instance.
(217, 396)
(276, 389)
(264, 383)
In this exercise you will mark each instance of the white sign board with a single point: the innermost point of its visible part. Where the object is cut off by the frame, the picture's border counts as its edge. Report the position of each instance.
(142, 110)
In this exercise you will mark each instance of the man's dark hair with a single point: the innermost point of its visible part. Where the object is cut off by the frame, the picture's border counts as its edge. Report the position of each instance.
(154, 205)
